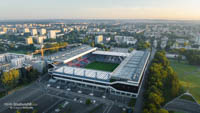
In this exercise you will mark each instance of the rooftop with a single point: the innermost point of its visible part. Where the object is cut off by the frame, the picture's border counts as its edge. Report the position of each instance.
(86, 73)
(70, 54)
(109, 53)
(132, 67)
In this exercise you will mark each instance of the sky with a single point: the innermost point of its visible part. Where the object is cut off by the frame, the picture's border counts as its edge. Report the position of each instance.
(100, 9)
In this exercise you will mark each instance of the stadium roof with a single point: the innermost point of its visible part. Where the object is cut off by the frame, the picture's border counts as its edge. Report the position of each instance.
(111, 53)
(86, 73)
(71, 54)
(132, 67)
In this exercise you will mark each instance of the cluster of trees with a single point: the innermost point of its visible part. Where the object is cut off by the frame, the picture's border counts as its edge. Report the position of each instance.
(193, 56)
(15, 78)
(102, 46)
(13, 37)
(28, 75)
(141, 45)
(25, 48)
(162, 84)
(10, 78)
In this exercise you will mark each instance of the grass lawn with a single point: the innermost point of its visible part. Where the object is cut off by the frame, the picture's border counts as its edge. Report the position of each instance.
(102, 66)
(189, 76)
(186, 97)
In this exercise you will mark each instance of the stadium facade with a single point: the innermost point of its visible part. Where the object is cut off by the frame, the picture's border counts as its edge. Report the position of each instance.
(125, 80)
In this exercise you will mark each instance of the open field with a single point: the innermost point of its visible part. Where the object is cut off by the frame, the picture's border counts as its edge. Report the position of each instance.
(102, 66)
(189, 77)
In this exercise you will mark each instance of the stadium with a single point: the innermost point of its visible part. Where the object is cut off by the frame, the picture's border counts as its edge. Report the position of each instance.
(115, 72)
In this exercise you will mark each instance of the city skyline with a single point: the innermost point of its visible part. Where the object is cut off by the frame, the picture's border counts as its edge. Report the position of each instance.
(104, 9)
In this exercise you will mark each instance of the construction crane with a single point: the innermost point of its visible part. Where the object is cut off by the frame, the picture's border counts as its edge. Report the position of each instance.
(42, 50)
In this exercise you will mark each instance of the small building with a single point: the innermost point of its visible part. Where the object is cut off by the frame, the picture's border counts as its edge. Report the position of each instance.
(99, 39)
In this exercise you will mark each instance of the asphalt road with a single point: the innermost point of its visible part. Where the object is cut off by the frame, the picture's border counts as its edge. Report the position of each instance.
(19, 95)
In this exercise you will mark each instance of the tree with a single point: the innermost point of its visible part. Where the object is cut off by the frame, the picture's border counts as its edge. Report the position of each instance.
(10, 78)
(155, 98)
(92, 44)
(162, 86)
(161, 58)
(88, 102)
(163, 111)
(18, 111)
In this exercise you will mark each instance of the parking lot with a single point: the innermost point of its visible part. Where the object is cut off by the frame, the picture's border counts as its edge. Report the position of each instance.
(61, 97)
(86, 90)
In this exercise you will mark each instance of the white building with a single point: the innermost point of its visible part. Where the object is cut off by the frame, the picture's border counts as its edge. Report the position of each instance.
(12, 60)
(155, 43)
(125, 40)
(34, 32)
(40, 39)
(17, 62)
(51, 34)
(197, 40)
(99, 39)
(26, 30)
(42, 31)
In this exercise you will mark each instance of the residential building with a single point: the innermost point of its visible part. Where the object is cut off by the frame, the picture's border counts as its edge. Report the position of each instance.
(29, 40)
(99, 39)
(42, 31)
(34, 32)
(51, 34)
(26, 30)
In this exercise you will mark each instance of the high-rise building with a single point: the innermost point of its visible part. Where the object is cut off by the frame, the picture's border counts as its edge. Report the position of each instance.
(99, 39)
(51, 34)
(5, 29)
(42, 31)
(29, 40)
(197, 40)
(34, 32)
(40, 39)
(26, 30)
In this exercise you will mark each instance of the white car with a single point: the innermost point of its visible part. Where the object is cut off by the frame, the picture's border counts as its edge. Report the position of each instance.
(103, 97)
(48, 85)
(68, 89)
(91, 94)
(79, 91)
(65, 104)
(81, 101)
(58, 87)
(93, 101)
(75, 99)
(57, 110)
(124, 109)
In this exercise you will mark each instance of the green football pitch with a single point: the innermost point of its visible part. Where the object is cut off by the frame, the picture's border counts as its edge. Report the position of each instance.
(103, 66)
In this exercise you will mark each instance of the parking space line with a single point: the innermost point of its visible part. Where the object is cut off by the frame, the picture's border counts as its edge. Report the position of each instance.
(52, 106)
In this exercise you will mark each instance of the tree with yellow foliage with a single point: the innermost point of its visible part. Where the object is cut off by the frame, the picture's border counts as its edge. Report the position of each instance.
(10, 78)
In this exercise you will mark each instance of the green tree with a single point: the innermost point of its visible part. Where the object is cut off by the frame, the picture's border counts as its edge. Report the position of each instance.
(88, 102)
(92, 44)
(155, 98)
(163, 111)
(10, 78)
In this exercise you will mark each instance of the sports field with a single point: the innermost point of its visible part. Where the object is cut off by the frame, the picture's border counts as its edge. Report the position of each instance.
(102, 66)
(189, 76)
